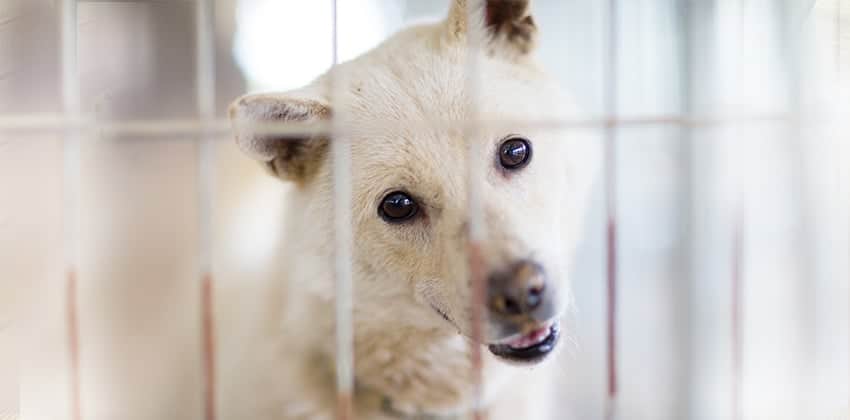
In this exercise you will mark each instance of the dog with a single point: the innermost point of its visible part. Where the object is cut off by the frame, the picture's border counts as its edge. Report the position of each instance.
(407, 110)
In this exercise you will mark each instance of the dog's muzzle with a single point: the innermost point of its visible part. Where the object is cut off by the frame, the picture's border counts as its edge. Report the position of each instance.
(522, 308)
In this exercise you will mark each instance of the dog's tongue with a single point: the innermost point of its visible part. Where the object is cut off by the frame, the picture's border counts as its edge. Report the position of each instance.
(530, 339)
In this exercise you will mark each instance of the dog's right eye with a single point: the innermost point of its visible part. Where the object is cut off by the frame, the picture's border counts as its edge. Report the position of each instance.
(397, 207)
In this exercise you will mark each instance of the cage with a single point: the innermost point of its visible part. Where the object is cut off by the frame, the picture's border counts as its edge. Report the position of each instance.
(711, 281)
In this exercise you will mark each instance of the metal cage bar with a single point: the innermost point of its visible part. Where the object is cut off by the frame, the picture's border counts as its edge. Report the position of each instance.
(840, 54)
(71, 188)
(737, 286)
(477, 229)
(219, 127)
(205, 101)
(343, 240)
(737, 257)
(610, 139)
(686, 202)
(792, 36)
(839, 35)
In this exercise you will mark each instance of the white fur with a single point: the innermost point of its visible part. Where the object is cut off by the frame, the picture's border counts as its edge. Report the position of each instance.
(386, 102)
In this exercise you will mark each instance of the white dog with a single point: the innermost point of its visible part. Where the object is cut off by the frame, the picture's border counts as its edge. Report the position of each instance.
(403, 107)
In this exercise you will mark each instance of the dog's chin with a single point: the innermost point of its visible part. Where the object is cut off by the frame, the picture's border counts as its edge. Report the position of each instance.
(530, 348)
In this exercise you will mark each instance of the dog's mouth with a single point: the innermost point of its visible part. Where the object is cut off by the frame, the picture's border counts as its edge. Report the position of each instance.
(528, 348)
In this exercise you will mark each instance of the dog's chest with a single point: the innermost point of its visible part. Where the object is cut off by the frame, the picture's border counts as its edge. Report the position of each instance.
(426, 376)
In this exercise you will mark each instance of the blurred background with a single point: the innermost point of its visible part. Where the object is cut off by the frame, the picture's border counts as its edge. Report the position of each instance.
(734, 282)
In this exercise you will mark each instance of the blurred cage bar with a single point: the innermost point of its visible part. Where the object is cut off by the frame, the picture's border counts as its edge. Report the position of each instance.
(713, 282)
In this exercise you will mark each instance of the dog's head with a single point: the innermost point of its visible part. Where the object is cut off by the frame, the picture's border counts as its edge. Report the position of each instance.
(408, 110)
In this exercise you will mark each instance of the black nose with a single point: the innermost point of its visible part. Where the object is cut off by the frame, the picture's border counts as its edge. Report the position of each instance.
(517, 291)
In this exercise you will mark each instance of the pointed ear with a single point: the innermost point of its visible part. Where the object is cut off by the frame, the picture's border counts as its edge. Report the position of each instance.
(293, 157)
(508, 25)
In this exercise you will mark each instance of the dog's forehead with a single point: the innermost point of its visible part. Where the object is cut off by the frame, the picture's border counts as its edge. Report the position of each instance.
(408, 104)
(408, 130)
(414, 77)
(429, 162)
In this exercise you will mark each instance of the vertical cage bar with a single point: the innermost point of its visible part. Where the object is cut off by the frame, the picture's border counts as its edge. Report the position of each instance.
(477, 229)
(737, 253)
(737, 310)
(205, 101)
(684, 372)
(838, 11)
(341, 156)
(842, 86)
(793, 15)
(71, 187)
(611, 98)
(738, 239)
(74, 343)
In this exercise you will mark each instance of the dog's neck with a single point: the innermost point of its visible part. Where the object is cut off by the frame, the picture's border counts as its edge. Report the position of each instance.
(420, 371)
(421, 374)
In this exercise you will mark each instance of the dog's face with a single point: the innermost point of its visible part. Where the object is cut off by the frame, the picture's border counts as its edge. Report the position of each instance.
(407, 110)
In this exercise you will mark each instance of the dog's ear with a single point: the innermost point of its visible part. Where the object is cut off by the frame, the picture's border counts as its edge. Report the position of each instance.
(508, 26)
(295, 156)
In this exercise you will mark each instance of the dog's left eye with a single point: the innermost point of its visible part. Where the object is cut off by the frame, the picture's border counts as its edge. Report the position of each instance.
(397, 207)
(514, 153)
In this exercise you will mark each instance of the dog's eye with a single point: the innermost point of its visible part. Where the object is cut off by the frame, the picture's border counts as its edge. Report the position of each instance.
(397, 207)
(514, 153)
